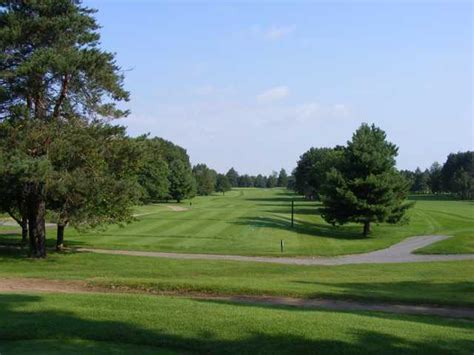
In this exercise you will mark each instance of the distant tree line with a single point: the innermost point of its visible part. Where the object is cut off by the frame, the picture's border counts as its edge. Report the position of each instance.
(208, 180)
(455, 176)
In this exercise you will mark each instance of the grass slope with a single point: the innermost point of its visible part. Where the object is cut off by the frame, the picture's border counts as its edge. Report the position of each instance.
(436, 283)
(182, 325)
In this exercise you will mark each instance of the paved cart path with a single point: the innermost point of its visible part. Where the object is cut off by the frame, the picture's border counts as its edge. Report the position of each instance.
(17, 285)
(398, 253)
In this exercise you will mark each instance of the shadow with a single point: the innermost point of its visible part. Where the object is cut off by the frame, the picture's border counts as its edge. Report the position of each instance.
(19, 322)
(432, 197)
(305, 228)
(456, 294)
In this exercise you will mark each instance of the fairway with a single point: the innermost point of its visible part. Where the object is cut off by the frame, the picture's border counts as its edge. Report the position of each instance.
(249, 221)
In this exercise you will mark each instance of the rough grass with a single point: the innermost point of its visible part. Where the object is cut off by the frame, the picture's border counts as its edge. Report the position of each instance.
(183, 325)
(436, 283)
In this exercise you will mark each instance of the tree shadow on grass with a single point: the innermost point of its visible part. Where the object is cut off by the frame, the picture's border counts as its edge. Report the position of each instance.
(418, 292)
(34, 323)
(303, 228)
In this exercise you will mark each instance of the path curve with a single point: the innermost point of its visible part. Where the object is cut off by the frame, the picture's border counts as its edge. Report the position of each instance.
(27, 285)
(398, 253)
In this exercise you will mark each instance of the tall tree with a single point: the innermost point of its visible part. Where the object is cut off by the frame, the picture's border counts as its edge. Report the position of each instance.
(233, 177)
(51, 68)
(366, 188)
(153, 170)
(272, 180)
(421, 180)
(205, 179)
(311, 169)
(282, 178)
(222, 184)
(181, 181)
(93, 177)
(457, 172)
(435, 178)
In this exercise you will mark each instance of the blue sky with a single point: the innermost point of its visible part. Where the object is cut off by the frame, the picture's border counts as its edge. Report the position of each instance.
(255, 84)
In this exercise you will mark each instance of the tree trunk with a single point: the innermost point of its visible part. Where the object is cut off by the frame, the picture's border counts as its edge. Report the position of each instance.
(60, 237)
(36, 224)
(24, 230)
(366, 228)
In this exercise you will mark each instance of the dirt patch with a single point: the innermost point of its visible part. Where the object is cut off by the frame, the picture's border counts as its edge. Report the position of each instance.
(55, 286)
(175, 208)
(42, 285)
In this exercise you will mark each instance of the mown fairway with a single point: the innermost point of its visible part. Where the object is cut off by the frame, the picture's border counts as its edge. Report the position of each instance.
(253, 221)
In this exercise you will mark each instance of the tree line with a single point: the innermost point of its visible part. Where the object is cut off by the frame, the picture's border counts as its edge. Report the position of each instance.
(209, 181)
(455, 176)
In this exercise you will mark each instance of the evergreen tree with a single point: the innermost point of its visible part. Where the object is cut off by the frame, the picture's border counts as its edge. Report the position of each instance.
(52, 69)
(366, 188)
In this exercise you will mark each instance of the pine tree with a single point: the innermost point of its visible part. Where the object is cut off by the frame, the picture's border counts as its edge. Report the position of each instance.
(366, 188)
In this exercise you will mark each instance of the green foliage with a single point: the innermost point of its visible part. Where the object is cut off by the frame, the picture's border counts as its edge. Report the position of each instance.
(282, 178)
(52, 65)
(311, 170)
(272, 180)
(222, 184)
(366, 188)
(205, 179)
(457, 174)
(181, 181)
(233, 177)
(153, 171)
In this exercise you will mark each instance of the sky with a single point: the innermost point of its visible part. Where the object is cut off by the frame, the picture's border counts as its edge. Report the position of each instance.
(253, 85)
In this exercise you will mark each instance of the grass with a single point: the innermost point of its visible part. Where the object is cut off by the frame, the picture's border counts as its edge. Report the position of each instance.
(253, 221)
(137, 322)
(434, 283)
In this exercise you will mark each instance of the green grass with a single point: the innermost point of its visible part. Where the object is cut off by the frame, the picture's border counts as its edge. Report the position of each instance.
(183, 325)
(435, 283)
(253, 221)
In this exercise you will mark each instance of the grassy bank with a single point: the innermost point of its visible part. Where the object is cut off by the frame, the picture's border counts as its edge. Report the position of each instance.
(182, 325)
(438, 283)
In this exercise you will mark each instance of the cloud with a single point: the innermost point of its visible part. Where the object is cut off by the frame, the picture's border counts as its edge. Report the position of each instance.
(278, 32)
(276, 93)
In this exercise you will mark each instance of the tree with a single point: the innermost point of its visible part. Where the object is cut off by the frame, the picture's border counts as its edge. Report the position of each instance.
(272, 180)
(260, 181)
(456, 173)
(435, 178)
(282, 178)
(421, 181)
(233, 177)
(463, 184)
(311, 169)
(205, 179)
(52, 69)
(153, 170)
(366, 188)
(93, 177)
(222, 184)
(181, 181)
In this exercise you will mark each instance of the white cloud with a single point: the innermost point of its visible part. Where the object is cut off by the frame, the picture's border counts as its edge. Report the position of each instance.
(278, 32)
(273, 94)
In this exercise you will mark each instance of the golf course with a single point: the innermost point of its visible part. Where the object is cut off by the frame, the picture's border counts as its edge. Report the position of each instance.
(236, 177)
(173, 294)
